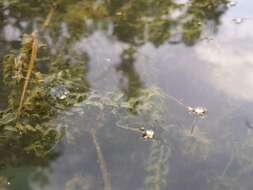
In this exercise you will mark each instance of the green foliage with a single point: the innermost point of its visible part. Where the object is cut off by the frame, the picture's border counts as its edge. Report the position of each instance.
(32, 130)
(132, 111)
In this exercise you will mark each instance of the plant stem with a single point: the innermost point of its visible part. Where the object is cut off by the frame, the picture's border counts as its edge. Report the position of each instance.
(228, 165)
(29, 72)
(193, 125)
(130, 129)
(102, 163)
(48, 18)
(34, 36)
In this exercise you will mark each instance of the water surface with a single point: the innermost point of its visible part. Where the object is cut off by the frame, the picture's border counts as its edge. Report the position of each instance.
(198, 52)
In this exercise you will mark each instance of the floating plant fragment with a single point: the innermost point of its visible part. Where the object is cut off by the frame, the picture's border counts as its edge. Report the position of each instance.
(147, 133)
(197, 111)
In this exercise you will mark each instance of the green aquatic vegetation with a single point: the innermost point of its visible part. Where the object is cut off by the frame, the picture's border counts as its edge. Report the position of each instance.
(143, 103)
(61, 91)
(15, 68)
(157, 166)
(143, 113)
(17, 75)
(130, 114)
(68, 77)
(31, 103)
(94, 111)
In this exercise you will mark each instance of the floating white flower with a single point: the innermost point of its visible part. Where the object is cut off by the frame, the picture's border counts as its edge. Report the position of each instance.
(198, 111)
(148, 134)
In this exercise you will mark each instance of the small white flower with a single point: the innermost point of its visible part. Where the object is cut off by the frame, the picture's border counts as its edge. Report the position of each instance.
(148, 134)
(199, 111)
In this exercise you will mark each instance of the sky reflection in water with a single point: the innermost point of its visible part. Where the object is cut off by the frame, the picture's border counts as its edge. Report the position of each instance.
(215, 72)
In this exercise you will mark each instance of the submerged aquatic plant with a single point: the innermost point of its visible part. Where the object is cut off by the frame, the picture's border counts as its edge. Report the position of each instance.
(157, 167)
(17, 120)
(96, 108)
(36, 98)
(31, 103)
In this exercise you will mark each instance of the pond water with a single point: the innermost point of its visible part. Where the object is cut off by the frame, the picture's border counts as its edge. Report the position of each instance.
(194, 53)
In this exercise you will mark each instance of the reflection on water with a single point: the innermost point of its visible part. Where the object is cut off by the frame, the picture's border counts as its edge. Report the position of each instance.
(127, 68)
(230, 63)
(192, 50)
(104, 54)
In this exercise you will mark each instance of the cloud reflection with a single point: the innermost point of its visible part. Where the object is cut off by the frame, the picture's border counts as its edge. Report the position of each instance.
(104, 53)
(230, 59)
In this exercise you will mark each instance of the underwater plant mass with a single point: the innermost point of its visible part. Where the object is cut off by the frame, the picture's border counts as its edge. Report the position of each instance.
(135, 94)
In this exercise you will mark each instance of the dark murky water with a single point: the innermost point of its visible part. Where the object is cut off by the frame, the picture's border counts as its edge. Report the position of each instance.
(198, 54)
